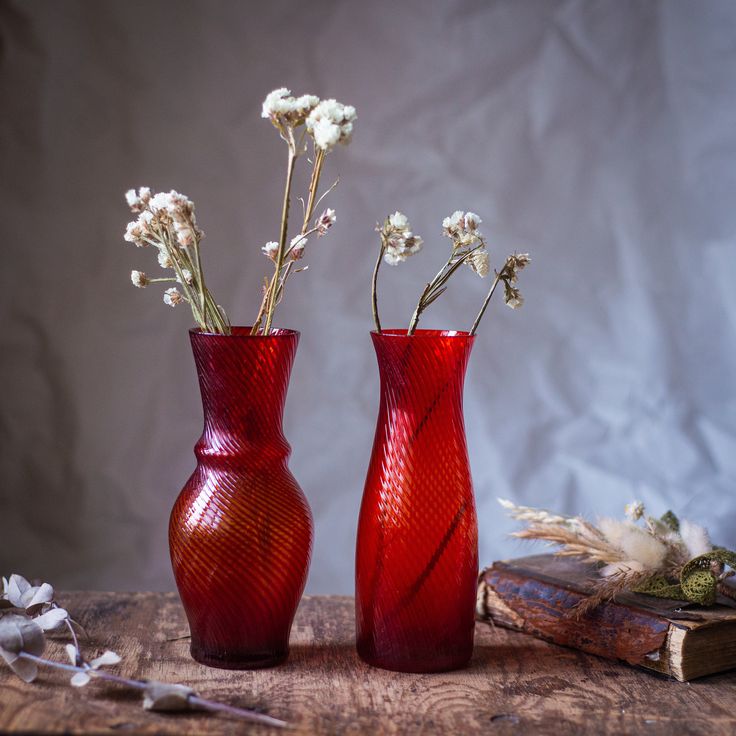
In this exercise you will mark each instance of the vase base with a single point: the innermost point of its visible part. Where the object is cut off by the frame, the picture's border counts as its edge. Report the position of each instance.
(256, 662)
(415, 667)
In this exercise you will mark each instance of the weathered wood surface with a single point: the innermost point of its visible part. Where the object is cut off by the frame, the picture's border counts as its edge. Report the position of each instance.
(515, 685)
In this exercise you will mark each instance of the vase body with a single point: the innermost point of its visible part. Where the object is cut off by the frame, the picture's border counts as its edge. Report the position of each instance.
(417, 546)
(240, 532)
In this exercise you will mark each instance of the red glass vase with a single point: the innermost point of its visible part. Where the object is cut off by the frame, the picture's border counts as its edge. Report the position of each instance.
(417, 547)
(241, 530)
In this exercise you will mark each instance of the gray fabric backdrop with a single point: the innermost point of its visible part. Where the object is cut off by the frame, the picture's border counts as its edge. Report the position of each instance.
(600, 136)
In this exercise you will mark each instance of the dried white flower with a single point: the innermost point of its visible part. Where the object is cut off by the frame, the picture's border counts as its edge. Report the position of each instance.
(634, 510)
(134, 233)
(271, 249)
(398, 239)
(187, 274)
(137, 201)
(164, 260)
(330, 123)
(172, 297)
(296, 247)
(283, 109)
(185, 234)
(480, 263)
(462, 228)
(399, 221)
(325, 221)
(139, 279)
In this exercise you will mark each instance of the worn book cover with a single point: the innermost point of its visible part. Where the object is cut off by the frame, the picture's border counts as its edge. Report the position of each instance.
(536, 595)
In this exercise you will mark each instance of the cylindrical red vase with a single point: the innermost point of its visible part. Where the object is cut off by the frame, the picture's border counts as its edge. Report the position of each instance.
(417, 547)
(241, 530)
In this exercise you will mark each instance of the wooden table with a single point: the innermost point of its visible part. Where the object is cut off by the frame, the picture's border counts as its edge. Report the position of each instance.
(515, 684)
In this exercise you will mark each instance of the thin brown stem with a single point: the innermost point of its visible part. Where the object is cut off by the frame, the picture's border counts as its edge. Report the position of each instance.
(436, 286)
(496, 281)
(271, 302)
(374, 287)
(313, 186)
(195, 700)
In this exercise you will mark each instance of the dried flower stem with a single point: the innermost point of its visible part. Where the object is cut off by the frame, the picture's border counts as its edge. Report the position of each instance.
(278, 280)
(436, 287)
(499, 277)
(271, 299)
(194, 700)
(319, 160)
(206, 312)
(374, 286)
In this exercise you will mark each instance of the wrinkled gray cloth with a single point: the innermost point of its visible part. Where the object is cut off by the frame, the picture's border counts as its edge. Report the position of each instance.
(599, 136)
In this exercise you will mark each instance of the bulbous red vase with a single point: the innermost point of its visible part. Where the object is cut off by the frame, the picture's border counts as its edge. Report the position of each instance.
(417, 546)
(241, 530)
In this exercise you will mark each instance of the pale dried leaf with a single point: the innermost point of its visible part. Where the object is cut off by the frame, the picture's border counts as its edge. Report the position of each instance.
(42, 594)
(26, 669)
(162, 696)
(17, 586)
(71, 651)
(108, 658)
(19, 633)
(52, 619)
(80, 679)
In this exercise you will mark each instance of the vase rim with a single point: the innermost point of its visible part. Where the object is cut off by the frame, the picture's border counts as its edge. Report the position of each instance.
(242, 332)
(399, 333)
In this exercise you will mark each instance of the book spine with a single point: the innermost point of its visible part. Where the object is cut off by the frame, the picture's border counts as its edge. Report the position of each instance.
(513, 599)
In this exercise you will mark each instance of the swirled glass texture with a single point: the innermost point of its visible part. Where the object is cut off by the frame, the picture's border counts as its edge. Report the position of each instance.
(417, 546)
(241, 530)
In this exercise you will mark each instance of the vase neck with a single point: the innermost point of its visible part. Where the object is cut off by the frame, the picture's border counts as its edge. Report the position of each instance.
(422, 373)
(243, 381)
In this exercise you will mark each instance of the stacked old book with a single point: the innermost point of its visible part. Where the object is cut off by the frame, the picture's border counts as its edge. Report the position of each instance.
(538, 595)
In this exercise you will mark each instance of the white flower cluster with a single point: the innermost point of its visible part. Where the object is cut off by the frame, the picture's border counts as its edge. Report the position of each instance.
(283, 109)
(330, 123)
(159, 212)
(398, 239)
(462, 228)
(166, 221)
(173, 296)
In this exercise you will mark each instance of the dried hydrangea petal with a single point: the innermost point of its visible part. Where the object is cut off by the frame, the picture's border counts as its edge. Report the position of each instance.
(17, 587)
(52, 619)
(19, 633)
(108, 658)
(80, 679)
(164, 697)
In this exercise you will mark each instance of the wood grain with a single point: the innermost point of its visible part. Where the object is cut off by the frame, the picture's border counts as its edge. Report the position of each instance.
(516, 684)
